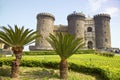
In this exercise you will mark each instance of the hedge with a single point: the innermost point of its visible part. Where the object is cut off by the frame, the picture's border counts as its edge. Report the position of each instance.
(52, 52)
(49, 52)
(106, 54)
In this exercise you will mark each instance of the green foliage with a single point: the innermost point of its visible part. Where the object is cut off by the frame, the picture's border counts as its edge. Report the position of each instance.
(106, 67)
(86, 69)
(17, 37)
(39, 53)
(89, 51)
(107, 54)
(52, 52)
(65, 45)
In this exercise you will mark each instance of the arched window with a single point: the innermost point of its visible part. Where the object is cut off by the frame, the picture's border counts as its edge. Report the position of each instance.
(90, 44)
(89, 29)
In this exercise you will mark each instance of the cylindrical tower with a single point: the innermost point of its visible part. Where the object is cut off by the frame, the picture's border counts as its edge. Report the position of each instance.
(45, 23)
(102, 31)
(76, 23)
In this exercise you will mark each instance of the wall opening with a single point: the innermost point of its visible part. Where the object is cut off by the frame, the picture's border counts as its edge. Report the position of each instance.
(6, 46)
(90, 45)
(89, 29)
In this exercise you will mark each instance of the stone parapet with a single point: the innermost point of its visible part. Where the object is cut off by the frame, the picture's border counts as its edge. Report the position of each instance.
(46, 14)
(102, 15)
(76, 15)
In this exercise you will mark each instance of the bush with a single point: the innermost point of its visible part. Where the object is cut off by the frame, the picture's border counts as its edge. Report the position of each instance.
(39, 53)
(89, 51)
(52, 52)
(107, 54)
(91, 70)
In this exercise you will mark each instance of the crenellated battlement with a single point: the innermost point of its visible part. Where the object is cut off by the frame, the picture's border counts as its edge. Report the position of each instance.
(75, 15)
(46, 14)
(102, 15)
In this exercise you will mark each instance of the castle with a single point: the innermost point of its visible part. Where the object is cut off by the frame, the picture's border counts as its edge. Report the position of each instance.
(94, 31)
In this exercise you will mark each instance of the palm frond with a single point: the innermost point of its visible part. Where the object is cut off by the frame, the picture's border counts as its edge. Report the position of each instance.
(17, 37)
(65, 45)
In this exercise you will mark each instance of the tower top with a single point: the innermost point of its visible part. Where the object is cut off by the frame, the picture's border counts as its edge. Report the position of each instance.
(75, 14)
(45, 14)
(102, 15)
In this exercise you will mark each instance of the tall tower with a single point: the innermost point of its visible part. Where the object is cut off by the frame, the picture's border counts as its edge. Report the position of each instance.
(102, 31)
(76, 23)
(45, 23)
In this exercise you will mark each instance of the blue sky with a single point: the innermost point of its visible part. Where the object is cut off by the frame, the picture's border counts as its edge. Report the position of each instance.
(23, 12)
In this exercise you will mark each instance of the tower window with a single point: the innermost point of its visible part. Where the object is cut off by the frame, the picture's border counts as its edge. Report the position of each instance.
(89, 29)
(105, 40)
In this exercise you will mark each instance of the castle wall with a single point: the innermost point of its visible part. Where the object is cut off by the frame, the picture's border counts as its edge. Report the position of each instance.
(94, 31)
(60, 28)
(89, 33)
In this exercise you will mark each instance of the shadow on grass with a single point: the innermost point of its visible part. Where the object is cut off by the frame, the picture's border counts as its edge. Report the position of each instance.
(41, 74)
(5, 72)
(95, 75)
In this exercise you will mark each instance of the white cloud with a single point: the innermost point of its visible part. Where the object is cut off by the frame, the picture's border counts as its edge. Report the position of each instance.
(96, 4)
(113, 11)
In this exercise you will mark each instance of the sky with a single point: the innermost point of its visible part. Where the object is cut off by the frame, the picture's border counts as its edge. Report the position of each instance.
(23, 13)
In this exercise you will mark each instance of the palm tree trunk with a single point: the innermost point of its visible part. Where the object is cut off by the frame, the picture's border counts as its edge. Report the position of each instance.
(63, 69)
(15, 64)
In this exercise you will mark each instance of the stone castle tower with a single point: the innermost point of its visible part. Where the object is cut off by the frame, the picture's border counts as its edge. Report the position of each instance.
(102, 31)
(45, 23)
(76, 22)
(94, 31)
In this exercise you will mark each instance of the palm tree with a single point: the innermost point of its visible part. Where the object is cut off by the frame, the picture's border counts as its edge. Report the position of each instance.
(65, 46)
(17, 38)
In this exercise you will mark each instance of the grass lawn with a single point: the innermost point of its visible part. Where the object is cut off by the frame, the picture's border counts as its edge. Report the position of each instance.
(37, 73)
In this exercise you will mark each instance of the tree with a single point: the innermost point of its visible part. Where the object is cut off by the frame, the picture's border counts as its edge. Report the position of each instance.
(65, 46)
(16, 38)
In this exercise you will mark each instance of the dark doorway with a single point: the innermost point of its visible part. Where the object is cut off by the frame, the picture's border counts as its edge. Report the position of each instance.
(90, 45)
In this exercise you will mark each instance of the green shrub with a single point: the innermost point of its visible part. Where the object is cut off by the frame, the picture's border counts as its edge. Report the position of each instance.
(52, 52)
(91, 70)
(107, 54)
(89, 51)
(39, 52)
